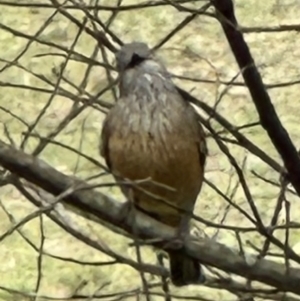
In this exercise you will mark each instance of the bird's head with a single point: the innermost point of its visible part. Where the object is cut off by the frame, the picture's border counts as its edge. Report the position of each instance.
(135, 63)
(131, 55)
(137, 56)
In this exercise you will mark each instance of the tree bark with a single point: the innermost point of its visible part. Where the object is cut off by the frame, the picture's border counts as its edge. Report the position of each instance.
(267, 114)
(110, 211)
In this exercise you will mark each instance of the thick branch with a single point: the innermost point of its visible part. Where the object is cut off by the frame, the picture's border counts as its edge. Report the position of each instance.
(268, 116)
(110, 211)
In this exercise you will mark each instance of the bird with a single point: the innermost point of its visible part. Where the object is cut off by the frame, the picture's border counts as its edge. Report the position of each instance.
(152, 132)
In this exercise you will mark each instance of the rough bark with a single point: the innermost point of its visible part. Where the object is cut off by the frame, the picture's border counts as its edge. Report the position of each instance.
(110, 211)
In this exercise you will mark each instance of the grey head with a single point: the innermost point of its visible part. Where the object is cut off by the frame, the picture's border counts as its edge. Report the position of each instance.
(132, 54)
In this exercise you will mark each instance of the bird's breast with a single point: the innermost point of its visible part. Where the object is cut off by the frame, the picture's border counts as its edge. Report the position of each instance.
(153, 140)
(152, 135)
(151, 129)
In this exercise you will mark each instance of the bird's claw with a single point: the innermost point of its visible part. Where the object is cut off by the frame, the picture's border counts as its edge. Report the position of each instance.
(127, 211)
(175, 243)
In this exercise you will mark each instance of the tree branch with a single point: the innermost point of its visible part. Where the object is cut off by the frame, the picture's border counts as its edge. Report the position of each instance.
(267, 114)
(110, 211)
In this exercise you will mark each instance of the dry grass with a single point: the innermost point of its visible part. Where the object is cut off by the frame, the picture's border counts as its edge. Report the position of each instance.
(276, 54)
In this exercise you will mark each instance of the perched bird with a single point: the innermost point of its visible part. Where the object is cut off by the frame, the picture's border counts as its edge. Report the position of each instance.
(152, 132)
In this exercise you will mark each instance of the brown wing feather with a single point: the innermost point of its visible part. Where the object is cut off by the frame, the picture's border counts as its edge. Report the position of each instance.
(104, 151)
(203, 152)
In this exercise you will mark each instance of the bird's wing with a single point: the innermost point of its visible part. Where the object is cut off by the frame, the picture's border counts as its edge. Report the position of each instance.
(203, 151)
(202, 145)
(105, 134)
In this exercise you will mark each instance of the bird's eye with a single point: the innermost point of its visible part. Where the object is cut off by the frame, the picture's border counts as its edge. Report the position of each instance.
(135, 60)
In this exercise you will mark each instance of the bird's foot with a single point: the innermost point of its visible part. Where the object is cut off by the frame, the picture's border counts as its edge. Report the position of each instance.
(177, 242)
(127, 212)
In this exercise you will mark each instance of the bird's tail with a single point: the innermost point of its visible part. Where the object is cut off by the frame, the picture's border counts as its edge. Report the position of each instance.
(184, 270)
